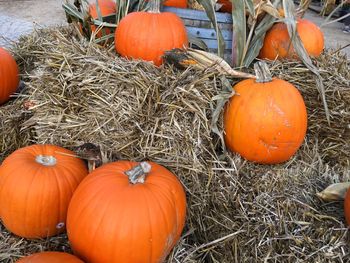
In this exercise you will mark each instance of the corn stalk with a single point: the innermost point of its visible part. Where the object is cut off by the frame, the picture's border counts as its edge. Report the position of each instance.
(78, 12)
(209, 7)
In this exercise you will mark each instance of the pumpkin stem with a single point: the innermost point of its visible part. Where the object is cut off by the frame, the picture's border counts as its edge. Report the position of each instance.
(262, 72)
(138, 173)
(46, 160)
(154, 6)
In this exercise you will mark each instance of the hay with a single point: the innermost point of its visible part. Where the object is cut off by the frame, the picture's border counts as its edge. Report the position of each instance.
(11, 137)
(237, 211)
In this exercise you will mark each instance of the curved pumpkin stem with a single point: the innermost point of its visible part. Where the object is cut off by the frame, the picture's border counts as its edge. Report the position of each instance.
(262, 72)
(46, 160)
(138, 173)
(154, 6)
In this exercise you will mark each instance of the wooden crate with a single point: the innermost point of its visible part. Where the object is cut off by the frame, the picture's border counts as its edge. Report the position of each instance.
(198, 25)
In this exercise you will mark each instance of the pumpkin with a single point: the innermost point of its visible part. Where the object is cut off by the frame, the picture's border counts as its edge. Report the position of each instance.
(347, 207)
(266, 120)
(277, 41)
(226, 6)
(176, 3)
(147, 35)
(133, 212)
(36, 185)
(9, 78)
(50, 257)
(107, 7)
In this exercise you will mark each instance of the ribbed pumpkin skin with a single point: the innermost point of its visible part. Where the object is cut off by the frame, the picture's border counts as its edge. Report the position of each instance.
(9, 78)
(50, 257)
(176, 3)
(347, 207)
(34, 198)
(146, 36)
(110, 220)
(277, 41)
(265, 122)
(107, 7)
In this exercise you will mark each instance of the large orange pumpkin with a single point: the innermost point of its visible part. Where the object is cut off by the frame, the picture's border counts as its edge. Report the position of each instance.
(126, 212)
(107, 7)
(176, 3)
(277, 41)
(147, 35)
(50, 257)
(266, 120)
(9, 78)
(347, 207)
(36, 185)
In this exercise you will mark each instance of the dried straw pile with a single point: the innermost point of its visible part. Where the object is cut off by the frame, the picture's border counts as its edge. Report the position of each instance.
(237, 211)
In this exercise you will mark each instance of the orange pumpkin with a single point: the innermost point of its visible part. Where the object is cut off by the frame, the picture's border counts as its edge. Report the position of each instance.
(36, 185)
(107, 7)
(147, 35)
(277, 41)
(9, 78)
(347, 207)
(132, 212)
(50, 257)
(266, 120)
(176, 3)
(226, 6)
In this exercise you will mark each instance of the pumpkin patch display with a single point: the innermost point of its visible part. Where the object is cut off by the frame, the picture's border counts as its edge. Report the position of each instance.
(147, 35)
(133, 212)
(36, 185)
(266, 120)
(50, 257)
(277, 42)
(9, 75)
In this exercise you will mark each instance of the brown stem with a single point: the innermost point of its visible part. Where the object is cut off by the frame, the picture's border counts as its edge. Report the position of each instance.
(138, 173)
(154, 6)
(262, 72)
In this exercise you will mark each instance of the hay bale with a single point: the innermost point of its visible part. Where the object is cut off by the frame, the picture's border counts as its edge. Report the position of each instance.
(237, 211)
(12, 115)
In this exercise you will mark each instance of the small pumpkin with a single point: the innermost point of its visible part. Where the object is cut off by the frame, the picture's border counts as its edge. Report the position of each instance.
(133, 212)
(50, 257)
(266, 120)
(277, 41)
(147, 35)
(9, 76)
(107, 7)
(36, 185)
(176, 3)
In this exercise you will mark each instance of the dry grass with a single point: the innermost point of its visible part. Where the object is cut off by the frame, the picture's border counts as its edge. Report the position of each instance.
(237, 211)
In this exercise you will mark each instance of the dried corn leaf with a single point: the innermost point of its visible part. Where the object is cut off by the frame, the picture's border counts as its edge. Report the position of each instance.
(290, 21)
(239, 31)
(269, 8)
(211, 60)
(210, 10)
(259, 35)
(334, 192)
